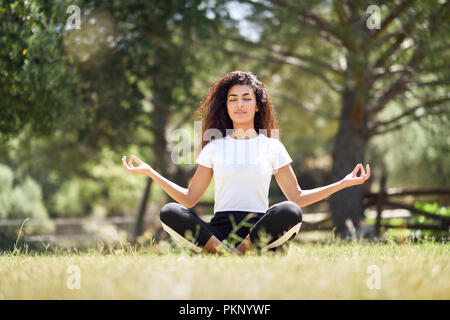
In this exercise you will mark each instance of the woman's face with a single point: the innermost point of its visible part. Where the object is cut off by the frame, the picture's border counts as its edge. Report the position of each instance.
(241, 104)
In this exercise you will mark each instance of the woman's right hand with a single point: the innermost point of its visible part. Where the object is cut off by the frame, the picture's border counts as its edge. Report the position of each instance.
(142, 167)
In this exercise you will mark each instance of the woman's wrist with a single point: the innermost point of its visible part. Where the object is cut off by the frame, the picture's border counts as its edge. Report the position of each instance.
(150, 172)
(343, 183)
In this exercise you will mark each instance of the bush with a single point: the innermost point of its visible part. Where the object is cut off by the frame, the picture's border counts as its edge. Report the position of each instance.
(6, 181)
(73, 199)
(22, 201)
(109, 186)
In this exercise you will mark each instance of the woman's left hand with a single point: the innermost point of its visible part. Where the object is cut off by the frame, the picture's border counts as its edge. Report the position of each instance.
(352, 178)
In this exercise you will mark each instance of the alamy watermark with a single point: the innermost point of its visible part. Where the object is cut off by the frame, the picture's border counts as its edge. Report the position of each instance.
(74, 20)
(373, 21)
(374, 280)
(73, 281)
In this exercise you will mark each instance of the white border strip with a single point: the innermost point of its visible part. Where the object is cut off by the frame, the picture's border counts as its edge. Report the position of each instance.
(285, 237)
(180, 239)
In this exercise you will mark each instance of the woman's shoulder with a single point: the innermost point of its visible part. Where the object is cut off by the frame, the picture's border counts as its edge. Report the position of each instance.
(272, 144)
(272, 140)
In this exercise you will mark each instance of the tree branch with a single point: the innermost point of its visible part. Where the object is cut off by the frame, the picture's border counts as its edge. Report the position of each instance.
(400, 125)
(340, 11)
(274, 49)
(409, 112)
(389, 19)
(292, 61)
(289, 60)
(306, 106)
(321, 27)
(392, 70)
(400, 84)
(443, 82)
(325, 29)
(393, 48)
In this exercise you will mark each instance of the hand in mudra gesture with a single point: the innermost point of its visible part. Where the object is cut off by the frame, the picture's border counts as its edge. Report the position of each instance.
(142, 167)
(352, 178)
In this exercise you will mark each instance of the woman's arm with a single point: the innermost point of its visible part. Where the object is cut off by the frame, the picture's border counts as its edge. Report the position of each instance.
(187, 197)
(288, 183)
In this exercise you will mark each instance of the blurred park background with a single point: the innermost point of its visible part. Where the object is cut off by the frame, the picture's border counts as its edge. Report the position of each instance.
(82, 84)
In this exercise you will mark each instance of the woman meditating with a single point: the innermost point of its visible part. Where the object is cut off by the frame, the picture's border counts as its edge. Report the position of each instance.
(242, 150)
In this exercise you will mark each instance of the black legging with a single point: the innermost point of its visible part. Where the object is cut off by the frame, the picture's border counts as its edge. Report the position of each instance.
(280, 223)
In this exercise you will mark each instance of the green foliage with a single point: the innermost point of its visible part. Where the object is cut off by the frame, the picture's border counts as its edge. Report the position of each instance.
(6, 181)
(38, 84)
(74, 197)
(26, 200)
(121, 192)
(432, 208)
(101, 73)
(420, 148)
(107, 187)
(415, 219)
(21, 201)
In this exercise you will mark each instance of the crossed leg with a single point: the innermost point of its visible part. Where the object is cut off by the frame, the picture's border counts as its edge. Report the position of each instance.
(280, 223)
(186, 227)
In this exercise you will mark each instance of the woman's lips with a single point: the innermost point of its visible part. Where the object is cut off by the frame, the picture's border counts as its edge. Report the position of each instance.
(240, 112)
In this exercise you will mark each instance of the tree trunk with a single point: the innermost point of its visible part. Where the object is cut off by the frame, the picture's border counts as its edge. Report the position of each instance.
(161, 164)
(137, 227)
(349, 149)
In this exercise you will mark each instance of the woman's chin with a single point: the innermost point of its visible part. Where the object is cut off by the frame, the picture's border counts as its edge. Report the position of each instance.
(242, 120)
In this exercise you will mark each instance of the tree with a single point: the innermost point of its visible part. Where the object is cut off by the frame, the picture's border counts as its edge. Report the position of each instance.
(38, 86)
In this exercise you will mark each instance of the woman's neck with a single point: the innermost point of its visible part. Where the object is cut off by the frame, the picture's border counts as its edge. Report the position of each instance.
(241, 133)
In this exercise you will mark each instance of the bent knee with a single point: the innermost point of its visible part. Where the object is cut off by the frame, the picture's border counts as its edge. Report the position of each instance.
(292, 211)
(169, 211)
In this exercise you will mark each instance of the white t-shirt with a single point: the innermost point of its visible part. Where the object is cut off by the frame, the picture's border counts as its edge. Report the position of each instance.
(243, 169)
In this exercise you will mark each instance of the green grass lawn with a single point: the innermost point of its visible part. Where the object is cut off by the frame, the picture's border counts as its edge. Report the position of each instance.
(301, 271)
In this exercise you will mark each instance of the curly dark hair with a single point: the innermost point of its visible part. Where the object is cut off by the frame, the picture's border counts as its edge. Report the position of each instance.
(213, 109)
